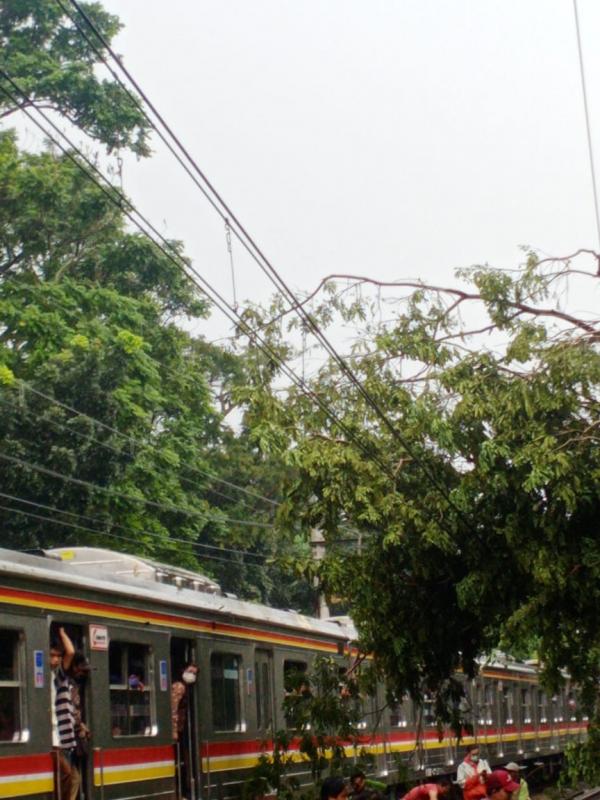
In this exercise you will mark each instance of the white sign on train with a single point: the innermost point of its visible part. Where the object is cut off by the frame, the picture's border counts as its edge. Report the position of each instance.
(98, 637)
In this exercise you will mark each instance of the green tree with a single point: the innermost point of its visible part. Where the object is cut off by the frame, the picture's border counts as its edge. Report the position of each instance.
(44, 52)
(96, 318)
(93, 318)
(478, 506)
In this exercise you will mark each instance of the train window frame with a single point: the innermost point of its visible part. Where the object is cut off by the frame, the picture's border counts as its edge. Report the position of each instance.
(290, 666)
(263, 689)
(239, 725)
(126, 685)
(526, 705)
(399, 714)
(20, 734)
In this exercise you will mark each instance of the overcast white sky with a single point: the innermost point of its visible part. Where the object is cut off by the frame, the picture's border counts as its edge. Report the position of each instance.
(392, 138)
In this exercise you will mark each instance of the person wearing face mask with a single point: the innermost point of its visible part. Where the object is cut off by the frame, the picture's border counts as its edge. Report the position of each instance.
(471, 774)
(179, 699)
(180, 696)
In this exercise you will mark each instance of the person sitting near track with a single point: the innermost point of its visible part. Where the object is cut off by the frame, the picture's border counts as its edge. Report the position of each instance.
(334, 788)
(429, 791)
(499, 785)
(471, 773)
(362, 789)
(514, 770)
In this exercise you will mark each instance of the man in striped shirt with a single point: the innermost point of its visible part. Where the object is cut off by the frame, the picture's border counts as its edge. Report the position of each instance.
(63, 717)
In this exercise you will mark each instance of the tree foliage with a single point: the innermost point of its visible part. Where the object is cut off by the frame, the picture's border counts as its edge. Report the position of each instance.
(42, 49)
(478, 504)
(114, 427)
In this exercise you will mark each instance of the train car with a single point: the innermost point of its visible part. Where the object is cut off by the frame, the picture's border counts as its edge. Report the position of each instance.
(139, 623)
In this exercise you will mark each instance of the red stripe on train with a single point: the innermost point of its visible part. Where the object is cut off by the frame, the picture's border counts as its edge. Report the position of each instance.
(129, 756)
(231, 748)
(25, 765)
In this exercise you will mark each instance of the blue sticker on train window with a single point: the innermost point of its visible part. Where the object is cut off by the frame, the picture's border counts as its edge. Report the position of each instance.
(249, 678)
(163, 676)
(38, 669)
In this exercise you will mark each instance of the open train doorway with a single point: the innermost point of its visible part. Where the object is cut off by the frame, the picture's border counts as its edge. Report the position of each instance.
(69, 709)
(184, 674)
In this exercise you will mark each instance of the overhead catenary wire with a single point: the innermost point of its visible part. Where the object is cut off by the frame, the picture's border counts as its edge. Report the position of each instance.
(111, 535)
(137, 443)
(268, 269)
(143, 446)
(173, 509)
(139, 532)
(588, 126)
(129, 210)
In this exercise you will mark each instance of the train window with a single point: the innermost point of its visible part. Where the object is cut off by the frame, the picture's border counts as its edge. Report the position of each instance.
(428, 711)
(399, 716)
(131, 696)
(294, 683)
(506, 699)
(526, 712)
(542, 707)
(264, 691)
(485, 703)
(11, 686)
(557, 708)
(293, 676)
(225, 671)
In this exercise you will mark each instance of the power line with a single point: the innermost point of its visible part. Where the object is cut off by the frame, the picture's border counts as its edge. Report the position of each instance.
(123, 496)
(140, 532)
(128, 438)
(119, 199)
(587, 119)
(111, 535)
(268, 269)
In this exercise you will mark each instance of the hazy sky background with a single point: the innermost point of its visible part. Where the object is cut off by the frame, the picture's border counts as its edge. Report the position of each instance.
(391, 139)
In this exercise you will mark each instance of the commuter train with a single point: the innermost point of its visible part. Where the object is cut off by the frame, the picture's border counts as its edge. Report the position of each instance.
(134, 617)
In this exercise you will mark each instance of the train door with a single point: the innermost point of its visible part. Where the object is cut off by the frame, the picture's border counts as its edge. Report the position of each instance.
(263, 676)
(79, 678)
(184, 718)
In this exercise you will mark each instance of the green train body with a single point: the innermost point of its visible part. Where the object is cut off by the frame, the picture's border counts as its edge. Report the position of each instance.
(134, 618)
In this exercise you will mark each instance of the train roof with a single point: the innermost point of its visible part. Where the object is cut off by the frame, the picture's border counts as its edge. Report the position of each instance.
(109, 572)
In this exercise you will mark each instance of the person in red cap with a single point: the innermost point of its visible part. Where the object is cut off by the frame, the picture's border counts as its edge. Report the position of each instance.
(499, 785)
(429, 791)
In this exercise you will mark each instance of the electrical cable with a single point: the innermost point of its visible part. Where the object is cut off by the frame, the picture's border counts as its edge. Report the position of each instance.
(587, 120)
(268, 269)
(140, 532)
(140, 444)
(123, 453)
(114, 535)
(189, 512)
(118, 199)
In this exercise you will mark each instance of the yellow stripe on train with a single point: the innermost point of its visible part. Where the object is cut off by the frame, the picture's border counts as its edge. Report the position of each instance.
(233, 761)
(18, 786)
(127, 773)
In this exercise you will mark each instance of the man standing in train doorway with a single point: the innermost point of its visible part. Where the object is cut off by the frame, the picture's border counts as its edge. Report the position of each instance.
(180, 716)
(63, 717)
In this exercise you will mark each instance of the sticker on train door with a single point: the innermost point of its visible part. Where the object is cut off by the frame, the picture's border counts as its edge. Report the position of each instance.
(38, 669)
(98, 637)
(163, 675)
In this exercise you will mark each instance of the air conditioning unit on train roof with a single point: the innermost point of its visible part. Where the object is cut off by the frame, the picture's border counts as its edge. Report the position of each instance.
(97, 562)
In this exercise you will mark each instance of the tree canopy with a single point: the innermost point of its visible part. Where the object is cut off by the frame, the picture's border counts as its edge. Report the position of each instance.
(43, 50)
(477, 497)
(115, 415)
